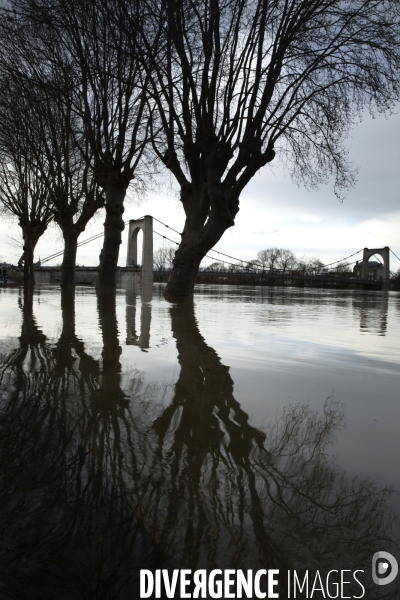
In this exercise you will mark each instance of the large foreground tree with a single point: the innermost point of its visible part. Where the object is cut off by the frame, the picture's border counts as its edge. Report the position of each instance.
(239, 83)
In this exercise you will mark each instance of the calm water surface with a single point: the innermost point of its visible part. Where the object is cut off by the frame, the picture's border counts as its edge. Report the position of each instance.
(255, 428)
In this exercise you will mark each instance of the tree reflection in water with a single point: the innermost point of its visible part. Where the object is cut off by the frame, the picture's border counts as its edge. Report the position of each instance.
(98, 482)
(68, 529)
(243, 498)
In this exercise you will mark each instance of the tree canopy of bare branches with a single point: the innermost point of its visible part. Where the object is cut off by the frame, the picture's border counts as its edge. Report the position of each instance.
(23, 193)
(268, 258)
(219, 88)
(78, 44)
(238, 84)
(163, 258)
(54, 144)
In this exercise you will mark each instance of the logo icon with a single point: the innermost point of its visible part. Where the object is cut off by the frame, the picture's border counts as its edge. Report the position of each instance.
(384, 568)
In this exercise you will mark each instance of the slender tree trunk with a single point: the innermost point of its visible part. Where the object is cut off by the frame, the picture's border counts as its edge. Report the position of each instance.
(31, 268)
(29, 273)
(69, 259)
(26, 269)
(113, 228)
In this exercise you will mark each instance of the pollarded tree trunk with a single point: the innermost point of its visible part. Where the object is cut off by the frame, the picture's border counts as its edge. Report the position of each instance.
(29, 245)
(209, 213)
(185, 268)
(113, 228)
(26, 269)
(69, 258)
(31, 233)
(31, 267)
(72, 226)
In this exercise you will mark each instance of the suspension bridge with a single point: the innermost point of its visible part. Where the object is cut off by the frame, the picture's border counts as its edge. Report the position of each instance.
(227, 268)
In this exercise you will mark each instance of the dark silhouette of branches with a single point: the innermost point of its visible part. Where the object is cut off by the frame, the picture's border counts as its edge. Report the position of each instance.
(23, 193)
(234, 495)
(239, 84)
(38, 105)
(83, 47)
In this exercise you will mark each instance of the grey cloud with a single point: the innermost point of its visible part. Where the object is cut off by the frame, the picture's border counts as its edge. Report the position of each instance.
(373, 148)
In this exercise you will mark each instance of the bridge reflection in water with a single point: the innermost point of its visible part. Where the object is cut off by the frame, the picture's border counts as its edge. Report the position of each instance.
(99, 481)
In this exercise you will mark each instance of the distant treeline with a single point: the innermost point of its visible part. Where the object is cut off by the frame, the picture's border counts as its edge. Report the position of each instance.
(269, 259)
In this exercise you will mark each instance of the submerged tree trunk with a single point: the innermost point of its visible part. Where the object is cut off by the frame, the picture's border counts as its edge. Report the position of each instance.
(113, 228)
(31, 234)
(184, 271)
(69, 259)
(72, 220)
(29, 246)
(26, 269)
(208, 216)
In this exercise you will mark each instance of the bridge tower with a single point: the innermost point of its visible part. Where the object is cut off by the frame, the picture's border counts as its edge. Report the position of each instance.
(384, 253)
(146, 225)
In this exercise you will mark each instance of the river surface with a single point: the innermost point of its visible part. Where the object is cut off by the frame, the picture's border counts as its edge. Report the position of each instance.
(255, 428)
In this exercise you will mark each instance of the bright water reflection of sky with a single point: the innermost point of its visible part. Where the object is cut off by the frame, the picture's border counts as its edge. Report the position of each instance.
(289, 346)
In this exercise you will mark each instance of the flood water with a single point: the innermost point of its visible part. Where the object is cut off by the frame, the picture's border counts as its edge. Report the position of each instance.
(252, 429)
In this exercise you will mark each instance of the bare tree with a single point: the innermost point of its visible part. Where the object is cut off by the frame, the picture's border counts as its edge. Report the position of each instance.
(83, 44)
(240, 83)
(57, 158)
(235, 267)
(310, 265)
(215, 266)
(163, 258)
(286, 260)
(343, 267)
(52, 132)
(268, 258)
(23, 193)
(67, 172)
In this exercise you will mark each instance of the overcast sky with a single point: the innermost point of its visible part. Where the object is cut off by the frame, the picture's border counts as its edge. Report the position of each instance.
(274, 212)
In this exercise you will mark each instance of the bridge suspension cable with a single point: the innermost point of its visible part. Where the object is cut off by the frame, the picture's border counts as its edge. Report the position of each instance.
(394, 254)
(249, 262)
(342, 259)
(218, 252)
(207, 255)
(82, 243)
